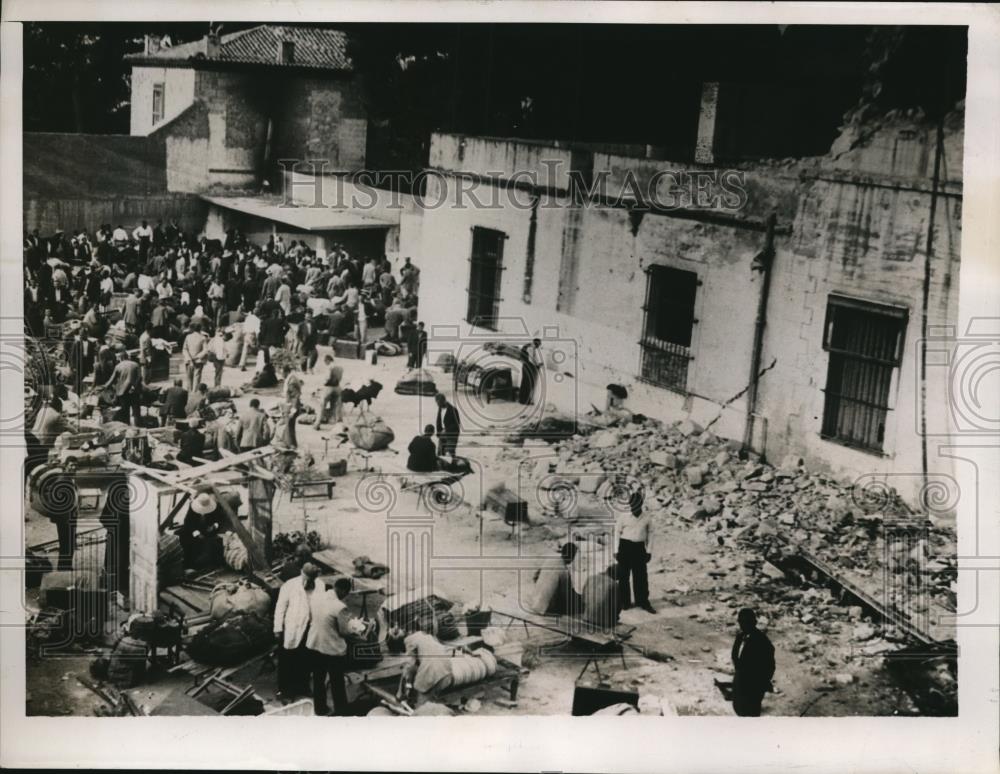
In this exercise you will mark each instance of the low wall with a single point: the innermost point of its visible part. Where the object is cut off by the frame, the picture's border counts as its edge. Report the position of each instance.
(47, 215)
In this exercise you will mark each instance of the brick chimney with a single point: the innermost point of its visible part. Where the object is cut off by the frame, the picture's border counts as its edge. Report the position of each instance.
(704, 149)
(286, 51)
(212, 43)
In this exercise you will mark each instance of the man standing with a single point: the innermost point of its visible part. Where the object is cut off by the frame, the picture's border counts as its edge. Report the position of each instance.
(308, 339)
(272, 333)
(331, 401)
(130, 311)
(753, 663)
(251, 330)
(146, 352)
(174, 403)
(448, 426)
(194, 351)
(416, 346)
(531, 365)
(327, 647)
(292, 614)
(143, 235)
(634, 533)
(126, 380)
(217, 355)
(160, 318)
(254, 430)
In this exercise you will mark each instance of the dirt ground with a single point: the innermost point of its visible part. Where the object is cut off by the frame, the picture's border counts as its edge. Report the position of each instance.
(696, 585)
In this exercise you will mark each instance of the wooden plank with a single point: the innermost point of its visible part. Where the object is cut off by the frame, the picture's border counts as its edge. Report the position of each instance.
(157, 476)
(225, 462)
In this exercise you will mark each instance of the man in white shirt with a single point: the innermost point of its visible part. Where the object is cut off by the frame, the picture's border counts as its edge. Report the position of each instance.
(217, 355)
(634, 531)
(119, 237)
(284, 296)
(251, 330)
(194, 352)
(330, 620)
(143, 235)
(164, 289)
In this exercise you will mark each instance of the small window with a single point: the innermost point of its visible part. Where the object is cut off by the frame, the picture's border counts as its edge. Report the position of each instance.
(287, 53)
(668, 326)
(865, 342)
(159, 102)
(484, 277)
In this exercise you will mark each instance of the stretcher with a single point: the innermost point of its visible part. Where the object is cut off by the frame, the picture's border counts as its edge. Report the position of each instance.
(384, 684)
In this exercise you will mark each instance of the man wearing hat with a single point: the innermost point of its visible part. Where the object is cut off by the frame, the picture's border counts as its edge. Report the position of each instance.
(199, 535)
(292, 616)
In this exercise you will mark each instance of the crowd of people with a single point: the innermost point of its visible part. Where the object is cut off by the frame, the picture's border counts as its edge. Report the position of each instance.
(109, 305)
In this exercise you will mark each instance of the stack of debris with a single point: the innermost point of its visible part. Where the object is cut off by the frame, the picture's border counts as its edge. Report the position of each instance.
(703, 481)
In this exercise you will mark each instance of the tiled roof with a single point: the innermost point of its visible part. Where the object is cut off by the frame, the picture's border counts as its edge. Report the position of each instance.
(321, 49)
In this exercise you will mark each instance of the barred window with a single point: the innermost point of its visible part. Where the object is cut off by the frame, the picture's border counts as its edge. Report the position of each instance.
(668, 326)
(484, 277)
(865, 342)
(159, 102)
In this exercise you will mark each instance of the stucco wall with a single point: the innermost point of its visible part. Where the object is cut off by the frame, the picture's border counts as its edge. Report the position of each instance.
(844, 229)
(179, 84)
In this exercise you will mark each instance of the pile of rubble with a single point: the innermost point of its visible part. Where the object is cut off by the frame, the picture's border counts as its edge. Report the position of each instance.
(709, 483)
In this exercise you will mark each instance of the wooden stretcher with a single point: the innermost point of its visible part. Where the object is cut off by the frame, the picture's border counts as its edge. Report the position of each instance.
(384, 684)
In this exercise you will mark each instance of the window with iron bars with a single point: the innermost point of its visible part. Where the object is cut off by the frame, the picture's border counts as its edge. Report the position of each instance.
(668, 324)
(484, 277)
(865, 342)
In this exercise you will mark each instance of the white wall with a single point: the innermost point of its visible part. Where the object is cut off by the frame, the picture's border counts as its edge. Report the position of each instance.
(179, 94)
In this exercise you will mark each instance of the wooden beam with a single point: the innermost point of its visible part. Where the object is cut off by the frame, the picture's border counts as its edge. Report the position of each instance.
(173, 513)
(256, 555)
(158, 476)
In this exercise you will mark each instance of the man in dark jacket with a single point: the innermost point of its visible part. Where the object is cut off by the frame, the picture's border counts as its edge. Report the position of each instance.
(192, 443)
(448, 426)
(174, 403)
(272, 333)
(753, 662)
(423, 458)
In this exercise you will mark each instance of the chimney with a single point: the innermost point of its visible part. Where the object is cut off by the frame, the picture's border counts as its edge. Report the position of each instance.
(286, 52)
(212, 43)
(704, 149)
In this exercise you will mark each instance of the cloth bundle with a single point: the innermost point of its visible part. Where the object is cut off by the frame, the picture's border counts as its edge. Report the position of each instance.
(237, 598)
(418, 382)
(234, 552)
(371, 433)
(231, 640)
(473, 668)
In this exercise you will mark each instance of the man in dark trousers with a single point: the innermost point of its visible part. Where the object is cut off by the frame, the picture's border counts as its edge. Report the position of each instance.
(753, 662)
(416, 347)
(448, 426)
(174, 403)
(531, 366)
(126, 380)
(327, 645)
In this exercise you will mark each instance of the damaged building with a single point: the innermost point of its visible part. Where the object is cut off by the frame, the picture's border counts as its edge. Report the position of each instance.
(787, 310)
